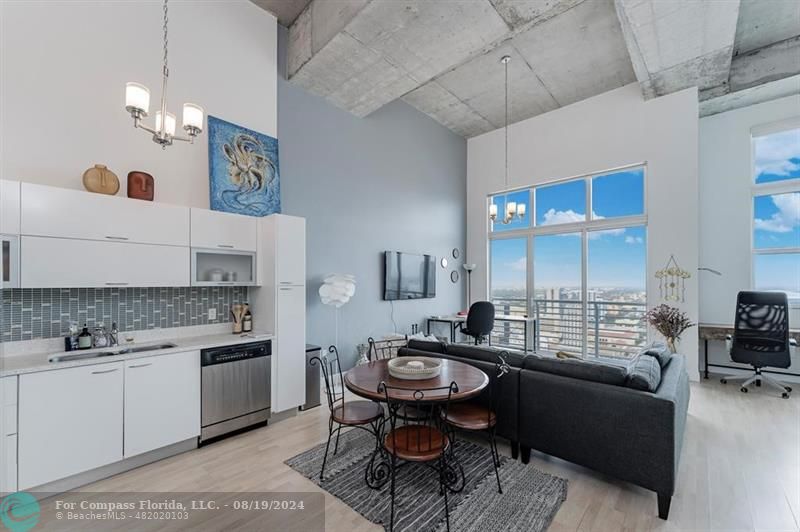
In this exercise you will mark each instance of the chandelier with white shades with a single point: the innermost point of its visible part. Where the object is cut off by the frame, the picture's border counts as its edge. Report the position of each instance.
(513, 209)
(137, 103)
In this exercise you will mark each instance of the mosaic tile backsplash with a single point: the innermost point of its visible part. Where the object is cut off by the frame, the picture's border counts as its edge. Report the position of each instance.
(37, 313)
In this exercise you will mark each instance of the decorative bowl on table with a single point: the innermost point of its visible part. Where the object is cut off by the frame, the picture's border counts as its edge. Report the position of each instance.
(415, 368)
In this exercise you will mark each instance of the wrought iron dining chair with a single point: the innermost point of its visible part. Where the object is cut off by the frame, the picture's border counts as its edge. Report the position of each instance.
(419, 440)
(475, 417)
(365, 415)
(386, 348)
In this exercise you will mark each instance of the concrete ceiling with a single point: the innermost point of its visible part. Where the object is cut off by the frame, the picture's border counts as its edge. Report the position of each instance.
(443, 57)
(286, 11)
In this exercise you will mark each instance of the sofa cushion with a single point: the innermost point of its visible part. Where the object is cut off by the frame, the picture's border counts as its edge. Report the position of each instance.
(660, 351)
(578, 369)
(514, 359)
(426, 345)
(644, 373)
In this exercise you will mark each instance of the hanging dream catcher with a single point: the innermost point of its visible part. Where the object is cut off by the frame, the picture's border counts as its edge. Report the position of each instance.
(671, 281)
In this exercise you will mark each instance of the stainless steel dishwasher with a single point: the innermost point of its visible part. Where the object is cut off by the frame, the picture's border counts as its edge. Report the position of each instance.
(235, 388)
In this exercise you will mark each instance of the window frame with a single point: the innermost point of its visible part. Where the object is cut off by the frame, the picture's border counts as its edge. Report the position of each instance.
(774, 188)
(583, 228)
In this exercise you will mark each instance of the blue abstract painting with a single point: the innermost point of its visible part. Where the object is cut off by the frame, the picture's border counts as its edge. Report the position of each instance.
(243, 170)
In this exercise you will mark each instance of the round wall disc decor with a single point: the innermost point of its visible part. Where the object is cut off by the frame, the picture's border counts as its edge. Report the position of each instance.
(456, 253)
(444, 262)
(454, 276)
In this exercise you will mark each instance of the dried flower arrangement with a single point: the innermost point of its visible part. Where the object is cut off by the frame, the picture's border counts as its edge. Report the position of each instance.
(670, 322)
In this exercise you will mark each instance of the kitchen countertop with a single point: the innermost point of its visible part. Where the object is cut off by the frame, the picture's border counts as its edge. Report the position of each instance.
(35, 362)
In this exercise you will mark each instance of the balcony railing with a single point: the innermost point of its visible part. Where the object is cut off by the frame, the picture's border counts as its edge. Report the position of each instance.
(614, 328)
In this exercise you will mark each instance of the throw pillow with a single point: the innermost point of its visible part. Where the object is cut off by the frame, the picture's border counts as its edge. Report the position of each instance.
(660, 351)
(644, 374)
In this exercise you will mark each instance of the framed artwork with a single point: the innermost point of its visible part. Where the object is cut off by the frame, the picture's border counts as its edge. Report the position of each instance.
(243, 170)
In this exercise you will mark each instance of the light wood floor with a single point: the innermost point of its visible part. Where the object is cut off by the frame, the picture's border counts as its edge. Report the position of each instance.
(740, 470)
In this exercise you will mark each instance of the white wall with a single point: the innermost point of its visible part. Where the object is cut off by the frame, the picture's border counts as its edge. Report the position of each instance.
(610, 130)
(64, 68)
(726, 209)
(726, 202)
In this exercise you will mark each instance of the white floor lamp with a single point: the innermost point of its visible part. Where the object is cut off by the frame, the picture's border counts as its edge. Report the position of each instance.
(336, 290)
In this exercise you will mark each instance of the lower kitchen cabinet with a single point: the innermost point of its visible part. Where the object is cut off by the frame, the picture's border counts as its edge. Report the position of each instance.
(70, 421)
(162, 401)
(8, 435)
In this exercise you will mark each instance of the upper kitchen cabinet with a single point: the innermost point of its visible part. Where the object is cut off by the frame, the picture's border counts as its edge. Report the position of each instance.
(283, 250)
(66, 213)
(223, 231)
(74, 263)
(9, 207)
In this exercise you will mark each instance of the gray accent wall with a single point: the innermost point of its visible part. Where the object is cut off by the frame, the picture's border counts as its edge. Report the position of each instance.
(395, 180)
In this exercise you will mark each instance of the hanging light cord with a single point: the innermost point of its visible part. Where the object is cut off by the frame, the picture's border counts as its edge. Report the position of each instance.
(505, 61)
(166, 41)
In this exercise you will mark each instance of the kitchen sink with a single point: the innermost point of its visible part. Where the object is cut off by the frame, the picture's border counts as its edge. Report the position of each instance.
(79, 356)
(144, 348)
(71, 357)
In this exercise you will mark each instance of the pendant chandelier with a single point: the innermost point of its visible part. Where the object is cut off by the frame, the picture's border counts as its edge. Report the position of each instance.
(513, 209)
(137, 103)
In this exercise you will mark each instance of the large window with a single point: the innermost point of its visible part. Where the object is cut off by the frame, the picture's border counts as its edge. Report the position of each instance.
(776, 209)
(585, 282)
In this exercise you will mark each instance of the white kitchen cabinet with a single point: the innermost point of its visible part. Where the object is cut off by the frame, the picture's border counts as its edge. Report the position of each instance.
(162, 401)
(9, 207)
(68, 213)
(70, 421)
(290, 352)
(222, 230)
(8, 434)
(211, 267)
(290, 250)
(71, 263)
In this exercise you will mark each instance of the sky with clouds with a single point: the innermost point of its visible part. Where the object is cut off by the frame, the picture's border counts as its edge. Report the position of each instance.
(617, 257)
(776, 222)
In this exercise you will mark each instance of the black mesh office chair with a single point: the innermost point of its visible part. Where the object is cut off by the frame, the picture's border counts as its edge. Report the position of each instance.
(480, 321)
(761, 337)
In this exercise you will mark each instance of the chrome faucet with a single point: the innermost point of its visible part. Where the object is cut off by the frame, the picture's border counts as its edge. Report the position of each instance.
(113, 336)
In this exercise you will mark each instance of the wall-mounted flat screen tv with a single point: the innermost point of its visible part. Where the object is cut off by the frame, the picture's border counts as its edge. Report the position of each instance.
(409, 276)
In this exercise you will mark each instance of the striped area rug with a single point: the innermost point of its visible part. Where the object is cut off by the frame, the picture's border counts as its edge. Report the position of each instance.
(529, 502)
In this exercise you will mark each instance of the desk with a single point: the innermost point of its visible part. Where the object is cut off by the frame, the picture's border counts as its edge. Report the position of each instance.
(457, 322)
(712, 331)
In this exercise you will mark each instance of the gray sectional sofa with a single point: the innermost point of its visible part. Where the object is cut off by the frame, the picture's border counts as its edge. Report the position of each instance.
(626, 420)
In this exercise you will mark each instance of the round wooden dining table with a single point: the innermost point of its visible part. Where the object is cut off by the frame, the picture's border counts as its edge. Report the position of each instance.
(364, 381)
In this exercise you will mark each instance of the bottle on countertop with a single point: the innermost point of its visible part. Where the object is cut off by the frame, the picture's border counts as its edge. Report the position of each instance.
(85, 338)
(100, 338)
(247, 320)
(71, 340)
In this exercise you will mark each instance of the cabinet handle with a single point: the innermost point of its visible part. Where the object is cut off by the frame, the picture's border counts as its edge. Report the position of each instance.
(116, 284)
(226, 246)
(285, 288)
(141, 365)
(104, 371)
(117, 237)
(286, 282)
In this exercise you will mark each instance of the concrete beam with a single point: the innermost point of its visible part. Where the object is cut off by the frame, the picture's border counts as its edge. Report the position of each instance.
(770, 63)
(746, 97)
(679, 43)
